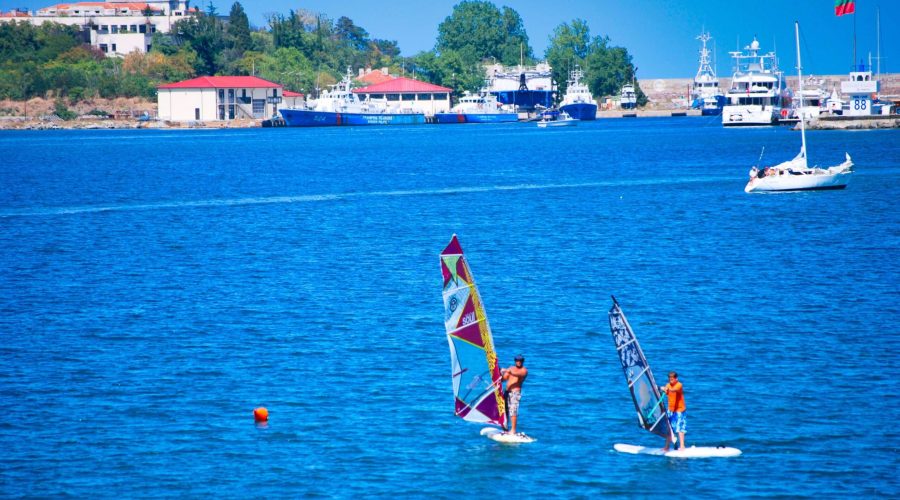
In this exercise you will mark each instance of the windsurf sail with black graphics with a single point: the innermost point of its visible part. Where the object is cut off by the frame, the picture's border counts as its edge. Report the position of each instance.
(649, 401)
(473, 361)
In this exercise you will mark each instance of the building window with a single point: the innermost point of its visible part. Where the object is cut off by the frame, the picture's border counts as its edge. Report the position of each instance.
(104, 27)
(134, 28)
(376, 96)
(104, 47)
(221, 96)
(440, 97)
(231, 111)
(231, 97)
(393, 97)
(143, 28)
(196, 113)
(221, 112)
(114, 28)
(148, 46)
(259, 108)
(113, 47)
(409, 97)
(152, 28)
(424, 97)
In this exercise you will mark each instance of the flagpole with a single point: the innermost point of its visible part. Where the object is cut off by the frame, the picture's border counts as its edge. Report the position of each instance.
(854, 41)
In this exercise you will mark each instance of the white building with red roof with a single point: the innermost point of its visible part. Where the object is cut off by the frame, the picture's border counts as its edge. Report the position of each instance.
(117, 27)
(222, 98)
(406, 93)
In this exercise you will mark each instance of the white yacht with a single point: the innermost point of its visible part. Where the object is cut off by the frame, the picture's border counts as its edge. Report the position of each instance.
(754, 97)
(810, 102)
(796, 174)
(705, 93)
(628, 98)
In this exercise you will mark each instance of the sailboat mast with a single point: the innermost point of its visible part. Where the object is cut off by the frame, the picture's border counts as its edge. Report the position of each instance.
(800, 84)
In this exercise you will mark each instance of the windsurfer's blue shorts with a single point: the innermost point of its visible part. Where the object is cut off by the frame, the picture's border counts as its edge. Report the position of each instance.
(512, 400)
(678, 421)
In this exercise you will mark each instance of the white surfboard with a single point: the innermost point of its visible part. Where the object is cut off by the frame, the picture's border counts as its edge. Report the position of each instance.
(506, 437)
(692, 452)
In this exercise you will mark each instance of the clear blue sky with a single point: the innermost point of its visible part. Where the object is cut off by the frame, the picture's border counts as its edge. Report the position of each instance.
(658, 33)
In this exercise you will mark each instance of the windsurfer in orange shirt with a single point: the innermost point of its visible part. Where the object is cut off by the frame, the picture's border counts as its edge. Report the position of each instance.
(514, 377)
(677, 419)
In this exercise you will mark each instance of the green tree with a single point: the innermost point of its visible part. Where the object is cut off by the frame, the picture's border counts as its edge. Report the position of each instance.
(351, 34)
(450, 69)
(205, 35)
(290, 31)
(607, 68)
(477, 31)
(570, 45)
(238, 31)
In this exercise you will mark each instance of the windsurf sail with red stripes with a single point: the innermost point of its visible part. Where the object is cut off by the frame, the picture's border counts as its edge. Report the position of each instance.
(648, 400)
(473, 362)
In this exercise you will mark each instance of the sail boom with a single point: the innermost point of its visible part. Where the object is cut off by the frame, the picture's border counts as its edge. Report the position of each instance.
(635, 379)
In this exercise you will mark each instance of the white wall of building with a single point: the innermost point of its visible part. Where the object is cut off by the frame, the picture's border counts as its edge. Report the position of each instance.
(184, 105)
(126, 28)
(209, 104)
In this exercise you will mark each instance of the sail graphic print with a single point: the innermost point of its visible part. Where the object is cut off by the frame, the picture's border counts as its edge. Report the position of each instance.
(648, 401)
(475, 372)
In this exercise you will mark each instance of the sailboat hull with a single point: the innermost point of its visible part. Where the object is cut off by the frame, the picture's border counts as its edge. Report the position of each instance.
(786, 182)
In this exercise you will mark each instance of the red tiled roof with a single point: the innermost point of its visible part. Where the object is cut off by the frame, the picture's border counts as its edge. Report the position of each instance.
(401, 84)
(222, 82)
(14, 13)
(291, 93)
(105, 5)
(375, 77)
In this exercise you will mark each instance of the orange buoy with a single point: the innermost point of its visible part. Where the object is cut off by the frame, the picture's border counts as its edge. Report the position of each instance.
(261, 414)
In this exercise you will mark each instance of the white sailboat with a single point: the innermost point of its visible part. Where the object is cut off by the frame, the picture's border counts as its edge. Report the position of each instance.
(796, 175)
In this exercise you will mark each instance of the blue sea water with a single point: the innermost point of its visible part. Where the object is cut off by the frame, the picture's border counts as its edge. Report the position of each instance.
(156, 286)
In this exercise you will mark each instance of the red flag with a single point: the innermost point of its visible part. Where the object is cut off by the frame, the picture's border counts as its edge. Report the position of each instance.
(842, 7)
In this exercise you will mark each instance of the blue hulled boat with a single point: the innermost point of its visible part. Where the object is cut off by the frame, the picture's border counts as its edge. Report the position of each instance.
(705, 90)
(522, 88)
(477, 109)
(340, 106)
(578, 101)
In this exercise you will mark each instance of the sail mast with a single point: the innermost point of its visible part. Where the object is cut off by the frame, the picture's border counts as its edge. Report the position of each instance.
(800, 83)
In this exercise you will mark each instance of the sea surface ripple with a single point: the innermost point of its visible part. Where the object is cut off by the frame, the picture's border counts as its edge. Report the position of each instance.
(156, 286)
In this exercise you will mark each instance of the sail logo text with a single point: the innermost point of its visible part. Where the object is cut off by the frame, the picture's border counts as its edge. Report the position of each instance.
(468, 319)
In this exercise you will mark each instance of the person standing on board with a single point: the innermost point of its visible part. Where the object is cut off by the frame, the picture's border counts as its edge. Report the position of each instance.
(677, 420)
(514, 377)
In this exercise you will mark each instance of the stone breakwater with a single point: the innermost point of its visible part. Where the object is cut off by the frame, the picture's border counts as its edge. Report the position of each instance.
(853, 123)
